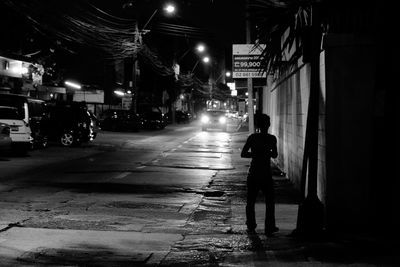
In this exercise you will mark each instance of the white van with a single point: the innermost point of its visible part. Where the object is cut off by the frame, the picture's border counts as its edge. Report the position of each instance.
(23, 115)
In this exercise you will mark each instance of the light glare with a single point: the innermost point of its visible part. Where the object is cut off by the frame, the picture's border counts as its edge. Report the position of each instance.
(73, 85)
(120, 93)
(170, 8)
(201, 48)
(205, 119)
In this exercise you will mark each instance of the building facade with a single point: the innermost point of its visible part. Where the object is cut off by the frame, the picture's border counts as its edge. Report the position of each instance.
(357, 110)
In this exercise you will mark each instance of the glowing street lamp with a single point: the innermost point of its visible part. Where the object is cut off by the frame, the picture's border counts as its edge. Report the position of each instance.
(201, 48)
(204, 59)
(228, 74)
(169, 8)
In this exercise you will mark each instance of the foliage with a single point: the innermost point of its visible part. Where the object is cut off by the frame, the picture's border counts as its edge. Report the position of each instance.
(281, 25)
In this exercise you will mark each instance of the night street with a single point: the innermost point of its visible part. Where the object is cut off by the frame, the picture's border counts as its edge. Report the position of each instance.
(139, 189)
(173, 197)
(199, 133)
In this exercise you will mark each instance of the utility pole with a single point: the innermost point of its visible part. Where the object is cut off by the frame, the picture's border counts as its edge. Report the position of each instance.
(137, 43)
(310, 219)
(250, 109)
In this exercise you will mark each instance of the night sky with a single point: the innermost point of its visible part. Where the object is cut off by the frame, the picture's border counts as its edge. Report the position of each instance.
(31, 26)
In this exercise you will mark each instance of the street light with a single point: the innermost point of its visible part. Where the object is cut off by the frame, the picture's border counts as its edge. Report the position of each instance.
(227, 74)
(169, 9)
(201, 48)
(204, 59)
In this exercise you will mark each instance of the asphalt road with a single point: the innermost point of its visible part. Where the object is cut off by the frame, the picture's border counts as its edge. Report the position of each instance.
(121, 191)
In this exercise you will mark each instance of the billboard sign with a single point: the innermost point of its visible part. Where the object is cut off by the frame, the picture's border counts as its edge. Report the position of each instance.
(247, 61)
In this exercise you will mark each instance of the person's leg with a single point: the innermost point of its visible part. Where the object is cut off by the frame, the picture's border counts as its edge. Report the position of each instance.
(269, 193)
(252, 191)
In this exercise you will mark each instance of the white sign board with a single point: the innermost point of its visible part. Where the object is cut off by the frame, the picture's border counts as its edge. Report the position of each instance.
(247, 61)
(96, 96)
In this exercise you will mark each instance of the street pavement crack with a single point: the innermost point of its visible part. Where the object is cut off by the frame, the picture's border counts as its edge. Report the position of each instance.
(12, 225)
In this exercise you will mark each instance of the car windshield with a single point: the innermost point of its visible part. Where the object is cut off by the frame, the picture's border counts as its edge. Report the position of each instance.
(12, 102)
(9, 113)
(215, 113)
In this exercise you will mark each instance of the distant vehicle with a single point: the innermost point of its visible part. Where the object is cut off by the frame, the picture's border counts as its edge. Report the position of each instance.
(120, 120)
(24, 116)
(5, 139)
(69, 124)
(214, 119)
(182, 116)
(153, 118)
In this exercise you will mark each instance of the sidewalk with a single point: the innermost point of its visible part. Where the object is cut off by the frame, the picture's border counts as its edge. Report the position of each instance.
(283, 249)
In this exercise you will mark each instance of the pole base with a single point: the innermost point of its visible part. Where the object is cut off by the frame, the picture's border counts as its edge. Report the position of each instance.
(310, 219)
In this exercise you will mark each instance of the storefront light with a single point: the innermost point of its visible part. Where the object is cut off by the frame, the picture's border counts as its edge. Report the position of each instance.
(73, 85)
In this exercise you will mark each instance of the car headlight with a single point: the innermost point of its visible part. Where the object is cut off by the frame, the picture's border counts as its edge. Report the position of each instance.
(222, 120)
(205, 119)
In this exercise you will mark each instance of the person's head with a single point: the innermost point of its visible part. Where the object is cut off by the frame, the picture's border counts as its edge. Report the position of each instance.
(262, 122)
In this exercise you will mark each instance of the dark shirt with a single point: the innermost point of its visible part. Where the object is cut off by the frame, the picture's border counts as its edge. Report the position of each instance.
(262, 148)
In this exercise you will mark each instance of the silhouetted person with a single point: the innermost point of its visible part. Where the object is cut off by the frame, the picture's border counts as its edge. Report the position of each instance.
(262, 146)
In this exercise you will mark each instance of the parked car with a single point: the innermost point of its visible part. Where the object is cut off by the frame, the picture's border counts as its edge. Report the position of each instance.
(182, 116)
(153, 118)
(24, 116)
(120, 120)
(5, 139)
(214, 119)
(69, 124)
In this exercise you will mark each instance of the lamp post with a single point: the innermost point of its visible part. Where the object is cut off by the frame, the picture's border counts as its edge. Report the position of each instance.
(204, 59)
(199, 48)
(169, 9)
(227, 74)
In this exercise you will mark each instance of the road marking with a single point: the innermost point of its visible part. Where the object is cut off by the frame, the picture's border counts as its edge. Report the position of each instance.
(121, 175)
(140, 167)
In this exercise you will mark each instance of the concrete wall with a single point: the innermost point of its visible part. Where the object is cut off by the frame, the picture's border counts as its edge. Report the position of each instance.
(349, 182)
(289, 99)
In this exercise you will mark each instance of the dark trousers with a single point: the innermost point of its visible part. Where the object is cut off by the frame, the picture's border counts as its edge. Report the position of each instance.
(266, 185)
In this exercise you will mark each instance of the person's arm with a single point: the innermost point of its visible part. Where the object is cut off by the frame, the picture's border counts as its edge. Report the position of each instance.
(274, 150)
(245, 151)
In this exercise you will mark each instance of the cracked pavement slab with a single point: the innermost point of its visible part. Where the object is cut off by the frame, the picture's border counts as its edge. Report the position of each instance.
(60, 247)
